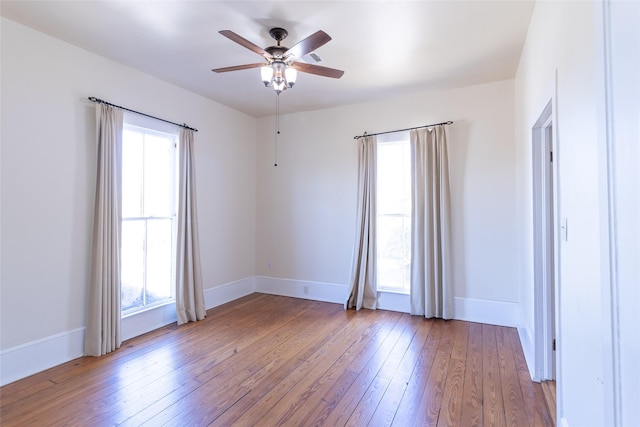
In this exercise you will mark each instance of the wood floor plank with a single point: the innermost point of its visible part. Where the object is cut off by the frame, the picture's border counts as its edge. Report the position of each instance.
(514, 410)
(472, 396)
(345, 407)
(318, 323)
(549, 391)
(431, 402)
(400, 373)
(518, 354)
(310, 389)
(389, 403)
(279, 392)
(267, 383)
(537, 411)
(493, 404)
(149, 364)
(408, 410)
(460, 340)
(451, 408)
(271, 360)
(363, 412)
(124, 392)
(346, 394)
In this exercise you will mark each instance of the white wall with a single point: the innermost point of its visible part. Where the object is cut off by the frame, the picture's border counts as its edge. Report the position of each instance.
(620, 177)
(306, 205)
(562, 39)
(48, 174)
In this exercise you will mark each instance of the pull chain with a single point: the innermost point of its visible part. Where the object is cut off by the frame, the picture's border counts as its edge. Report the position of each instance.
(275, 154)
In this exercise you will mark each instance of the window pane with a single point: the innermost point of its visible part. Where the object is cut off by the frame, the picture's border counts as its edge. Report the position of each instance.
(159, 256)
(394, 215)
(132, 167)
(149, 192)
(132, 264)
(159, 176)
(390, 179)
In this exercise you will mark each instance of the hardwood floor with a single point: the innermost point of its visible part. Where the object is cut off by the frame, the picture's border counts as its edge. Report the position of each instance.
(549, 390)
(268, 360)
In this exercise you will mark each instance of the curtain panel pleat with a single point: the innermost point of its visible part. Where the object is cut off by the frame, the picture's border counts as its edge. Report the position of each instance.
(103, 318)
(190, 305)
(431, 282)
(363, 288)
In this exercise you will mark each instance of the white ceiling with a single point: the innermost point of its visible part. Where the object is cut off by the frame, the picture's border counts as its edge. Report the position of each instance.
(386, 48)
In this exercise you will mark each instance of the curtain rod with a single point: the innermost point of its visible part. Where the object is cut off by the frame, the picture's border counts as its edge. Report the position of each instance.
(400, 130)
(184, 125)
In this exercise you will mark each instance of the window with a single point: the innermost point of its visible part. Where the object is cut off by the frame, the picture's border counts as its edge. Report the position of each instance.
(394, 212)
(148, 217)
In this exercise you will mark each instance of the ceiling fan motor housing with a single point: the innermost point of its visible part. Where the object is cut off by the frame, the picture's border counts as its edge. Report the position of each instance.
(278, 34)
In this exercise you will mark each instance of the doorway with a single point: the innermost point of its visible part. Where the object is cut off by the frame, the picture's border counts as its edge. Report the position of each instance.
(544, 240)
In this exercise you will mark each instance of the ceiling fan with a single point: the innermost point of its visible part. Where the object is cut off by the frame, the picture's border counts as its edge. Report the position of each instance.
(280, 70)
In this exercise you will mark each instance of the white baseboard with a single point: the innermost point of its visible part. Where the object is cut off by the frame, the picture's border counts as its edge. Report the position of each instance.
(528, 349)
(228, 292)
(30, 358)
(149, 320)
(317, 291)
(473, 310)
(498, 313)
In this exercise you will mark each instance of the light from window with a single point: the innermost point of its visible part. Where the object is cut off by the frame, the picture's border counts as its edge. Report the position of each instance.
(394, 213)
(148, 217)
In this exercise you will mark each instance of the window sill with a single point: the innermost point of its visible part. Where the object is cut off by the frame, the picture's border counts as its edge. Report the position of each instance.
(393, 291)
(134, 312)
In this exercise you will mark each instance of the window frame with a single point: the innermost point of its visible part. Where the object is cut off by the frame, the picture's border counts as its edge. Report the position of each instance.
(152, 127)
(401, 137)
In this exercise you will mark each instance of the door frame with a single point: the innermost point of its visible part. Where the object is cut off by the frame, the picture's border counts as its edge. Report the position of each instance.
(546, 242)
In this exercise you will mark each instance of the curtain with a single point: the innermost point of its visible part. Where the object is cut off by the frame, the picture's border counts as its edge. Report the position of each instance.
(363, 291)
(431, 283)
(190, 305)
(103, 320)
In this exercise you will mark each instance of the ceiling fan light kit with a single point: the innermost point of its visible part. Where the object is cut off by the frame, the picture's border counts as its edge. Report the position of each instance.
(281, 69)
(279, 76)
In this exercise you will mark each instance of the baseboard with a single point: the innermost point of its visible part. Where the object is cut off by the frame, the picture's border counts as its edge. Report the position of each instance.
(157, 317)
(498, 313)
(473, 310)
(563, 422)
(27, 359)
(30, 358)
(228, 292)
(528, 349)
(305, 289)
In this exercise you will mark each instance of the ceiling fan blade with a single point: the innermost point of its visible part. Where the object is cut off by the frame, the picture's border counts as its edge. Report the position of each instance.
(238, 67)
(318, 70)
(309, 44)
(244, 42)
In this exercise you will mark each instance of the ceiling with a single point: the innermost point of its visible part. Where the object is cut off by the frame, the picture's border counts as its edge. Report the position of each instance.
(386, 48)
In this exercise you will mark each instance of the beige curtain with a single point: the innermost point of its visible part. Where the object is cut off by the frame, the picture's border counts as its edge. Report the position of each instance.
(363, 292)
(190, 305)
(103, 319)
(431, 284)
